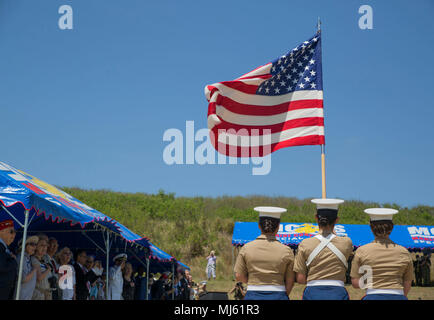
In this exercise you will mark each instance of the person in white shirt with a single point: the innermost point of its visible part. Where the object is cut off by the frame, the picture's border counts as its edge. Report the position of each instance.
(116, 281)
(210, 267)
(67, 286)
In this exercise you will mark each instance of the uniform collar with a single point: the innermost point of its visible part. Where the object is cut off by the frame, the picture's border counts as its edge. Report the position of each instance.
(382, 241)
(266, 237)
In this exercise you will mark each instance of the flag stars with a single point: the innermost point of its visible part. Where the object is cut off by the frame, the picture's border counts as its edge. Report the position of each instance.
(295, 70)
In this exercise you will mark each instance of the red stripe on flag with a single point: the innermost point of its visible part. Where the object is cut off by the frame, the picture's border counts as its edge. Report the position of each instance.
(246, 109)
(240, 86)
(260, 151)
(296, 123)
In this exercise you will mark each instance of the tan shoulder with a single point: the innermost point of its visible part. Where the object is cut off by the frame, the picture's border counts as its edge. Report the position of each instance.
(309, 242)
(363, 248)
(344, 239)
(403, 250)
(249, 245)
(285, 248)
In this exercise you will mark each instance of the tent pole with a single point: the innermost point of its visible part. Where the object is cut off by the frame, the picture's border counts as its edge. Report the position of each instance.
(23, 247)
(147, 278)
(107, 253)
(90, 239)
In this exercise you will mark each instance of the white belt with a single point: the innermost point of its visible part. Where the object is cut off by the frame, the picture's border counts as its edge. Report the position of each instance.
(325, 283)
(385, 291)
(265, 288)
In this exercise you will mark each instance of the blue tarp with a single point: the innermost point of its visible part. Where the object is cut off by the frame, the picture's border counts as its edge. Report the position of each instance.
(409, 236)
(69, 220)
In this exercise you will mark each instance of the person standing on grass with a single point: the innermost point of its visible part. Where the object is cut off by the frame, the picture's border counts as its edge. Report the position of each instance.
(42, 289)
(116, 280)
(67, 289)
(321, 261)
(387, 267)
(417, 273)
(426, 270)
(8, 263)
(28, 279)
(211, 265)
(265, 264)
(128, 285)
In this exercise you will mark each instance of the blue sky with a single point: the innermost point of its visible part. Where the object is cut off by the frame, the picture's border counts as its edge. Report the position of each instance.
(88, 107)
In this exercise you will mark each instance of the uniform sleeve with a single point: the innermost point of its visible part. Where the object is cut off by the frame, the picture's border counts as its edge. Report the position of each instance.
(349, 248)
(290, 263)
(408, 272)
(112, 272)
(355, 265)
(240, 264)
(300, 260)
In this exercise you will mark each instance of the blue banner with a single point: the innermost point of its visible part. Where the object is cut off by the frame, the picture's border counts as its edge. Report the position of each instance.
(409, 236)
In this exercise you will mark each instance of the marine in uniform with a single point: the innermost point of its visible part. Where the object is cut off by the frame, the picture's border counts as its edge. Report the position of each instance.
(116, 280)
(321, 261)
(387, 268)
(8, 262)
(265, 264)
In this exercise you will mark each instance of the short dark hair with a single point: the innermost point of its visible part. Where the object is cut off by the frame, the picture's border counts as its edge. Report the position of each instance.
(269, 224)
(381, 228)
(326, 217)
(79, 252)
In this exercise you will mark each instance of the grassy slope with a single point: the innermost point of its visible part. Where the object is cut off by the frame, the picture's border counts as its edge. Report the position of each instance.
(188, 228)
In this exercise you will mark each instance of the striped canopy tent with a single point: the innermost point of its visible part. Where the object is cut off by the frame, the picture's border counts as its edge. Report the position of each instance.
(38, 207)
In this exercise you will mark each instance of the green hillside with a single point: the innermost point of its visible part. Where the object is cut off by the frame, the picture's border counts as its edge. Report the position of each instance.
(189, 228)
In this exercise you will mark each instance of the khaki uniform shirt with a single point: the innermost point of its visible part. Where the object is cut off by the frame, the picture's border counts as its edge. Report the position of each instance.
(391, 264)
(265, 261)
(326, 265)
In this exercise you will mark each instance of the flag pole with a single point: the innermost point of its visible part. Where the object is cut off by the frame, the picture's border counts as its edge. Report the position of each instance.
(323, 177)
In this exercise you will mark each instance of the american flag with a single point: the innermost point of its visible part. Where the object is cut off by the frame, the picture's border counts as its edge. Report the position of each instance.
(277, 105)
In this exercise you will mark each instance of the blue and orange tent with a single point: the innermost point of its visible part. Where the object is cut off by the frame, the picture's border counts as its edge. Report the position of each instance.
(38, 207)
